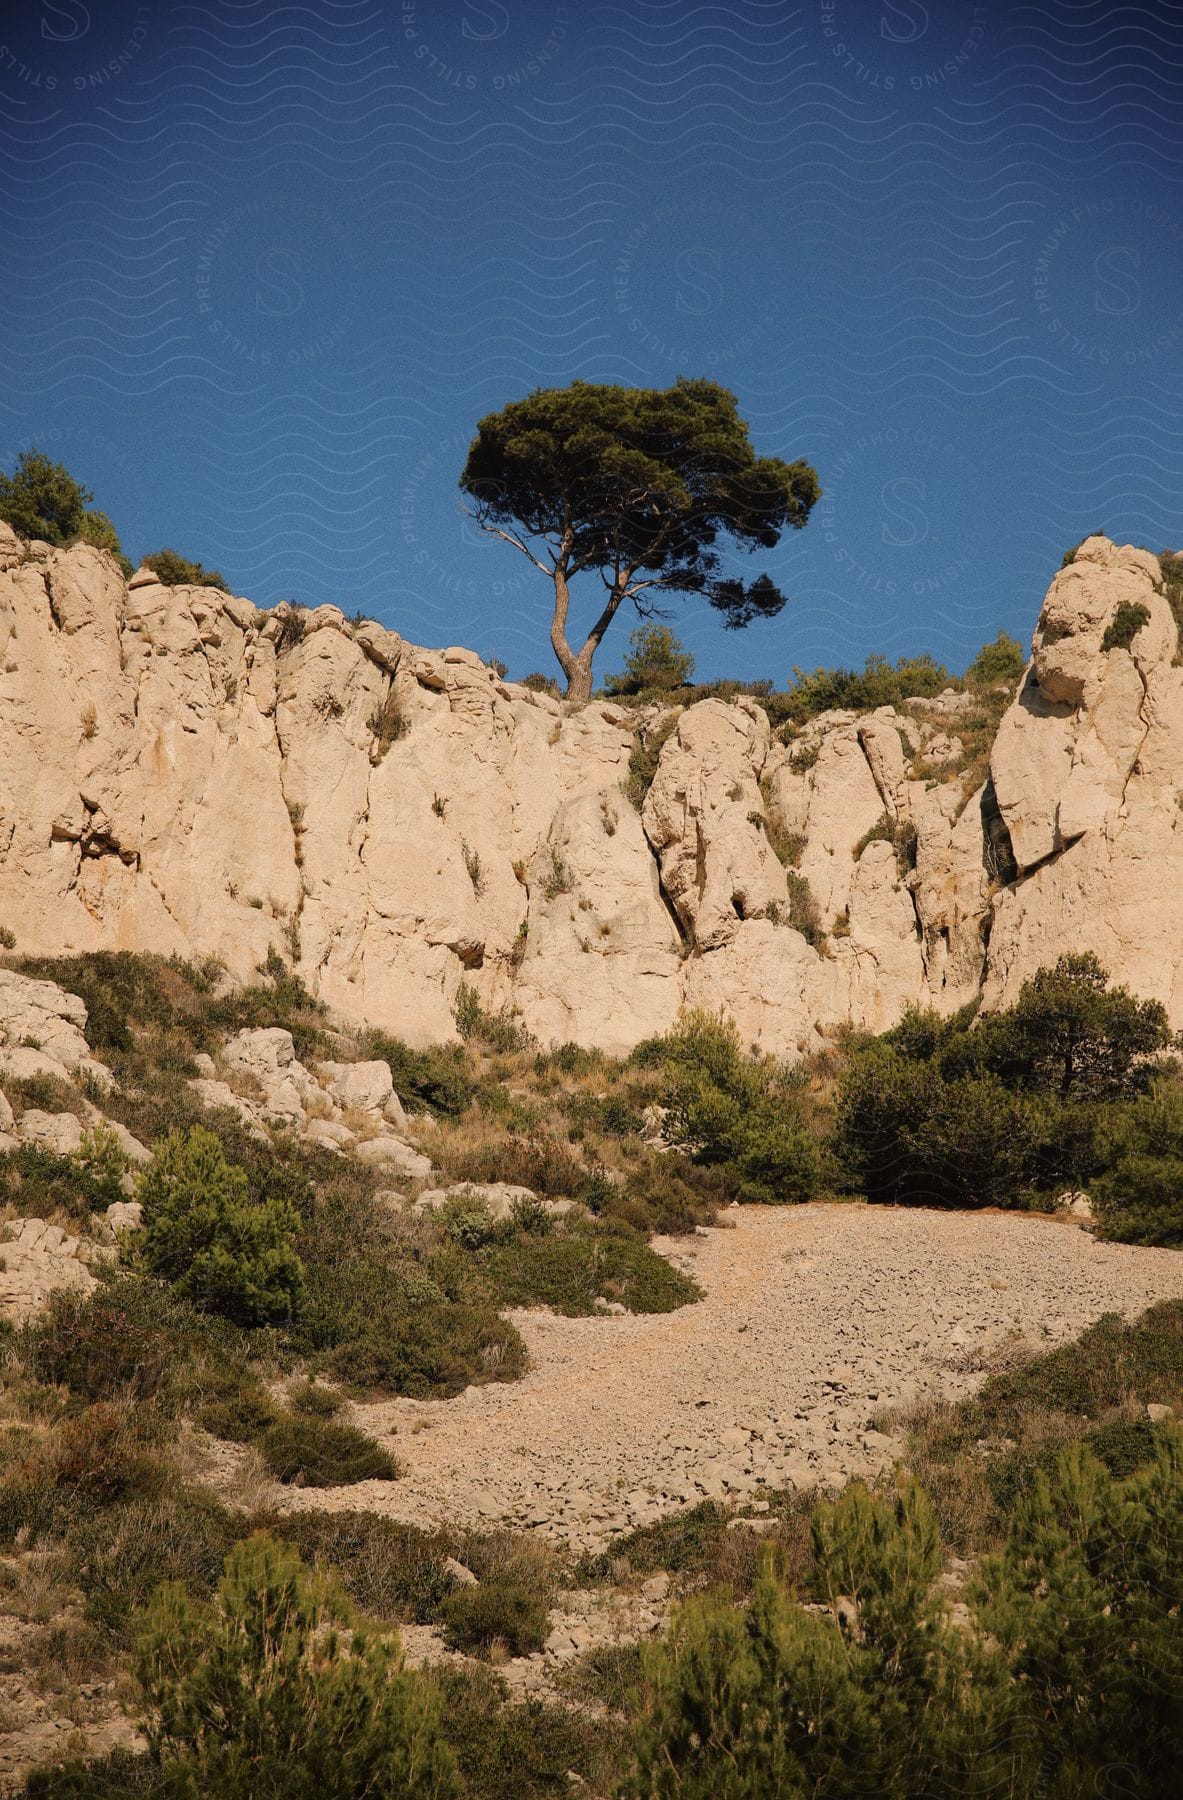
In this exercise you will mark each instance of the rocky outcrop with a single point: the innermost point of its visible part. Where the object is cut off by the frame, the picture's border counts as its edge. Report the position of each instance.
(183, 772)
(339, 1107)
(1086, 772)
(38, 1259)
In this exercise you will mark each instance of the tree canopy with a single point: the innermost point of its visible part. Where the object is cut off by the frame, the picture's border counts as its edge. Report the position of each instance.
(637, 485)
(41, 499)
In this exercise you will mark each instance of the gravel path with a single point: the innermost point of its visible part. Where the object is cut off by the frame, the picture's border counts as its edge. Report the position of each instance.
(813, 1318)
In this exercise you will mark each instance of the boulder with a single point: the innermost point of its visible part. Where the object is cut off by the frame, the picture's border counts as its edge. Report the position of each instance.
(24, 1064)
(40, 1016)
(497, 1196)
(60, 1133)
(330, 1133)
(363, 1087)
(393, 1154)
(131, 1146)
(124, 1215)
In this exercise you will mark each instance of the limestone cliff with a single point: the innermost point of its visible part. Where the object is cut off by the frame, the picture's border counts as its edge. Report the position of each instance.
(181, 771)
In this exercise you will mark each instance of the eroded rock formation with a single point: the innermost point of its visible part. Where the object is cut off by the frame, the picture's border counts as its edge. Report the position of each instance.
(183, 772)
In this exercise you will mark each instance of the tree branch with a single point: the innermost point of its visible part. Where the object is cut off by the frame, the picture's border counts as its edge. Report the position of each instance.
(508, 537)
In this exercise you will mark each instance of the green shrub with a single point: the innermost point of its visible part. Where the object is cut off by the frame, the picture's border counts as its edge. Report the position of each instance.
(1124, 626)
(466, 1219)
(1068, 1034)
(804, 912)
(879, 683)
(393, 1572)
(1084, 1602)
(120, 1775)
(786, 1701)
(241, 1415)
(257, 1693)
(1002, 660)
(523, 1750)
(899, 833)
(1171, 566)
(1072, 1668)
(907, 1136)
(976, 1458)
(497, 1031)
(531, 1216)
(430, 1351)
(537, 1162)
(121, 1556)
(89, 1462)
(98, 1349)
(122, 991)
(436, 1080)
(740, 1111)
(97, 530)
(41, 499)
(387, 723)
(642, 764)
(657, 660)
(989, 1111)
(568, 1270)
(1138, 1196)
(787, 846)
(505, 1612)
(174, 570)
(203, 1233)
(608, 1675)
(101, 1157)
(315, 1401)
(37, 1182)
(311, 1452)
(674, 1194)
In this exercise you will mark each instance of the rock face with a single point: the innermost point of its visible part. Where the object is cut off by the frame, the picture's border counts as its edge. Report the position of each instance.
(183, 772)
(1086, 769)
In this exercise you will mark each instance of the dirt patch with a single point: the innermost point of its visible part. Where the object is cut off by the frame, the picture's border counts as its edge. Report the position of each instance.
(814, 1319)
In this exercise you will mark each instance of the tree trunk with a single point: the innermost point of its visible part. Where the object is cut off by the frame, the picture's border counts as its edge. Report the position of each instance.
(579, 678)
(578, 669)
(558, 630)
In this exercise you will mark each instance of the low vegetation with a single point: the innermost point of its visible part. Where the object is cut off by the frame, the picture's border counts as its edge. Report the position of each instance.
(270, 1288)
(1012, 1109)
(174, 570)
(1072, 1662)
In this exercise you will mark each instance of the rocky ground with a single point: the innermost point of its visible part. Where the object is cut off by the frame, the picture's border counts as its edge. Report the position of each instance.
(814, 1321)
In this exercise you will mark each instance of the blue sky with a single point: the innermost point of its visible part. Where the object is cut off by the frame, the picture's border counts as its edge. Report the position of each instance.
(265, 265)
